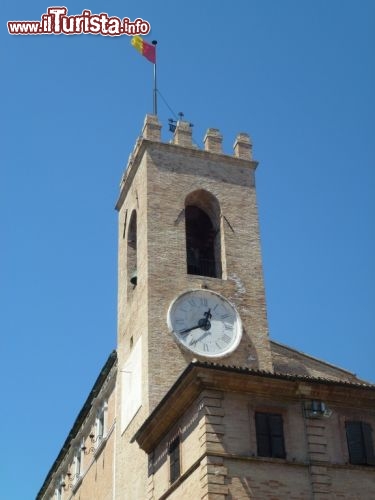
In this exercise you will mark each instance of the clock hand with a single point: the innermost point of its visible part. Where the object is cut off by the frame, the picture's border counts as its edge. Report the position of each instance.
(202, 323)
(187, 330)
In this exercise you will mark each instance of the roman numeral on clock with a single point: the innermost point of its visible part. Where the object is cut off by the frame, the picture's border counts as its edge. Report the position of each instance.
(225, 338)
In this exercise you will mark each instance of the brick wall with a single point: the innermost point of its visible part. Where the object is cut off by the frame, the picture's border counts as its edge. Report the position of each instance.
(221, 444)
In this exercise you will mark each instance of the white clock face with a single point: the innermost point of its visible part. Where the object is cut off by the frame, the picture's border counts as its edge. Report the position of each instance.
(205, 323)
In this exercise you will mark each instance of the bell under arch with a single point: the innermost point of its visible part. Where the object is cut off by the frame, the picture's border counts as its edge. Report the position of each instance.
(203, 239)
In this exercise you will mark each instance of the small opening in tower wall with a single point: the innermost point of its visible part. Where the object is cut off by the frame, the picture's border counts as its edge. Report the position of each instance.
(132, 249)
(200, 243)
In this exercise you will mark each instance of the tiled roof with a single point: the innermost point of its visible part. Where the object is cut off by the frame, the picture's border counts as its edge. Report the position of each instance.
(283, 376)
(291, 361)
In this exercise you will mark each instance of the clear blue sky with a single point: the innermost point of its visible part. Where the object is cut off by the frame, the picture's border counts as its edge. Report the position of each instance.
(299, 76)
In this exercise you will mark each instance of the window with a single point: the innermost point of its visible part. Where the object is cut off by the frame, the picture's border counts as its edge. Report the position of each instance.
(270, 435)
(101, 423)
(59, 493)
(174, 459)
(203, 240)
(77, 463)
(360, 444)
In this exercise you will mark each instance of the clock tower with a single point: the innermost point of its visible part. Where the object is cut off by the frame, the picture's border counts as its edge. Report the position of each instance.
(187, 222)
(190, 283)
(197, 402)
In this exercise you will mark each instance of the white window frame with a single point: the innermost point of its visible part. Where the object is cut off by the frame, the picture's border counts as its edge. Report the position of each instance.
(58, 493)
(78, 464)
(101, 424)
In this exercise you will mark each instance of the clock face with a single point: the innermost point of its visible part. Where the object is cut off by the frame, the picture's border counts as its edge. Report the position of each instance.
(205, 323)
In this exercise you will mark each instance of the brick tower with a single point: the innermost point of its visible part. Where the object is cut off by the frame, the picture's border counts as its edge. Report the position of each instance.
(187, 223)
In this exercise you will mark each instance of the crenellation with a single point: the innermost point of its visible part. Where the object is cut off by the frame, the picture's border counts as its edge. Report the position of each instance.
(151, 128)
(213, 141)
(183, 134)
(243, 146)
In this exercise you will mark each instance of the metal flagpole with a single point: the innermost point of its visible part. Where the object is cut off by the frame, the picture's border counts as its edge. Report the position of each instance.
(155, 98)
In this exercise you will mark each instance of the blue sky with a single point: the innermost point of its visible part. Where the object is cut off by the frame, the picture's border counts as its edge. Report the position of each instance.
(297, 75)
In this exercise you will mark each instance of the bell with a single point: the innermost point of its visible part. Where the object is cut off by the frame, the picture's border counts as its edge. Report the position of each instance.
(133, 278)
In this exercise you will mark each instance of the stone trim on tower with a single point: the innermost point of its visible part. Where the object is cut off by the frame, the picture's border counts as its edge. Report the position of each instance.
(183, 134)
(151, 128)
(213, 141)
(243, 147)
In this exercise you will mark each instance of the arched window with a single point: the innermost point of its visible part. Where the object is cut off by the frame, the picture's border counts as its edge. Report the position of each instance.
(202, 226)
(132, 249)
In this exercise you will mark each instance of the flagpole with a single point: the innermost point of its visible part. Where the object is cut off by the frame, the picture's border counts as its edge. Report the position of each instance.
(155, 97)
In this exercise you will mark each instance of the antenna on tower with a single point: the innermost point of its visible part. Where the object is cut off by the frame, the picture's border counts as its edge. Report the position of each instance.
(173, 123)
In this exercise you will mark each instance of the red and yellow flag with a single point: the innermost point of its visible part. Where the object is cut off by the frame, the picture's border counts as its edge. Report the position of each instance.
(146, 49)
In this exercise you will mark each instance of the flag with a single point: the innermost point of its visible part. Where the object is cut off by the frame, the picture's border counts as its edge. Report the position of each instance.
(146, 49)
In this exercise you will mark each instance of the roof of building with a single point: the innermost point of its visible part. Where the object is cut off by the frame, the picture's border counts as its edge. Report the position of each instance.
(287, 360)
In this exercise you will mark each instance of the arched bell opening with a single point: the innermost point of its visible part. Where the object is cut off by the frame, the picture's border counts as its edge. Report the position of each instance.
(202, 227)
(132, 249)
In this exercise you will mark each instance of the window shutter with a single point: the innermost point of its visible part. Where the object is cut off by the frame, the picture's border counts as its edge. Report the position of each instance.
(355, 443)
(270, 435)
(263, 438)
(277, 436)
(368, 443)
(174, 460)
